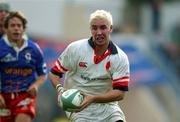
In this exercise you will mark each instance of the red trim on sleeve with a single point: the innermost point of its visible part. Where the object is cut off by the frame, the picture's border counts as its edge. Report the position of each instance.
(122, 78)
(116, 84)
(62, 66)
(56, 69)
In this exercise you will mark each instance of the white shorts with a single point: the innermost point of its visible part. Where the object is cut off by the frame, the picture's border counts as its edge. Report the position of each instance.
(98, 112)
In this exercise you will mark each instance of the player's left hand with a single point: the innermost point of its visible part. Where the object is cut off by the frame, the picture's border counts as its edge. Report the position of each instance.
(88, 99)
(2, 102)
(33, 89)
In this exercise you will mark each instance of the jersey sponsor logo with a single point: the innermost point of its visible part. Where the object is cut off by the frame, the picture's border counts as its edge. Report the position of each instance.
(23, 72)
(82, 64)
(92, 79)
(8, 58)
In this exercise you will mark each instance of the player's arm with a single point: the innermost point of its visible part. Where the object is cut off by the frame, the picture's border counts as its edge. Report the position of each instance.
(120, 81)
(55, 80)
(33, 89)
(41, 70)
(112, 95)
(40, 80)
(54, 76)
(61, 65)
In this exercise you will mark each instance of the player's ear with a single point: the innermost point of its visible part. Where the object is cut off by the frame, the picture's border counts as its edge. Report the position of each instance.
(111, 28)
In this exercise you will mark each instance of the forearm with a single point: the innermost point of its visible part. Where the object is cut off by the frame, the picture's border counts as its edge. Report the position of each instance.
(113, 95)
(40, 80)
(33, 89)
(55, 80)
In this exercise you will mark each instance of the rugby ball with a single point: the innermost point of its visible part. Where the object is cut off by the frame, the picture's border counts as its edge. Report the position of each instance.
(70, 100)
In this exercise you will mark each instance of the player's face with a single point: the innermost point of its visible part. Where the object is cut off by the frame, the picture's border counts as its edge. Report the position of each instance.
(3, 14)
(15, 30)
(100, 31)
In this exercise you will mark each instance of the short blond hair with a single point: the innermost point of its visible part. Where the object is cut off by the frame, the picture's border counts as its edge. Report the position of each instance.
(101, 14)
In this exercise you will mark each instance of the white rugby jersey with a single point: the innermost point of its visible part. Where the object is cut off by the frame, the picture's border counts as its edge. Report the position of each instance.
(93, 76)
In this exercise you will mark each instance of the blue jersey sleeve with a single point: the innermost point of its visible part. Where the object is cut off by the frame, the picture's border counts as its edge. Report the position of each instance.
(41, 67)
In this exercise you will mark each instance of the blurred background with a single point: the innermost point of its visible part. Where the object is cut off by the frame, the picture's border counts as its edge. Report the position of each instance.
(147, 30)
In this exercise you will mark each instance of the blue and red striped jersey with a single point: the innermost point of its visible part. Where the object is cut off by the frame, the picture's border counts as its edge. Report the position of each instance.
(19, 67)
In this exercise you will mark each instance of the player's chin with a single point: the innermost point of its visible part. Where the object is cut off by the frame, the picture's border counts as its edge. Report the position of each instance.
(100, 42)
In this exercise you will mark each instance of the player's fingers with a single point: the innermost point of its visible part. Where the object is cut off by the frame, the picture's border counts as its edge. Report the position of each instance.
(82, 93)
(2, 103)
(83, 107)
(32, 91)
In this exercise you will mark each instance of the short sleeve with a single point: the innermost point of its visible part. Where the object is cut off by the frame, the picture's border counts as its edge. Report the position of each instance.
(65, 62)
(120, 72)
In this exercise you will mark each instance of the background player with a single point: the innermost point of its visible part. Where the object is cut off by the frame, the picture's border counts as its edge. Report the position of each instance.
(97, 67)
(4, 10)
(22, 70)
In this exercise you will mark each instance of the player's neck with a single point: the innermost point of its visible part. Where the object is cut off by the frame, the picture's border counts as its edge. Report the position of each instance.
(101, 49)
(17, 43)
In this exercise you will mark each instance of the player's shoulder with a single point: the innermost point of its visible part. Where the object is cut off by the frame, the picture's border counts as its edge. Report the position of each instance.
(32, 43)
(1, 41)
(115, 49)
(3, 47)
(79, 44)
(120, 53)
(3, 44)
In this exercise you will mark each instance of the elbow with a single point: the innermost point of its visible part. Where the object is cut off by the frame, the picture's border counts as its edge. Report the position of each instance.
(43, 78)
(49, 75)
(121, 96)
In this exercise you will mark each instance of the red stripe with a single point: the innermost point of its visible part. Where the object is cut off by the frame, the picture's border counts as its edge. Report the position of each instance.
(116, 84)
(122, 78)
(56, 69)
(108, 65)
(62, 66)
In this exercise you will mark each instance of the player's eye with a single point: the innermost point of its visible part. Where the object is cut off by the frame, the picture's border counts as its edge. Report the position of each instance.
(93, 27)
(103, 27)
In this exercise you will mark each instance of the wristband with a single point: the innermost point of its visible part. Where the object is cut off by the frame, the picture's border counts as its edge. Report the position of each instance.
(59, 88)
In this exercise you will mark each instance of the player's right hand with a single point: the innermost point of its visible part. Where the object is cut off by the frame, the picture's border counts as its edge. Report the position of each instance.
(60, 90)
(59, 96)
(59, 99)
(2, 102)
